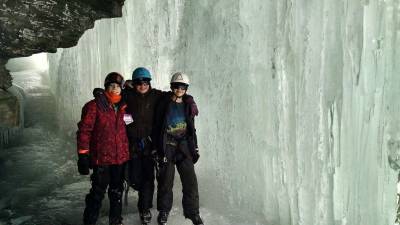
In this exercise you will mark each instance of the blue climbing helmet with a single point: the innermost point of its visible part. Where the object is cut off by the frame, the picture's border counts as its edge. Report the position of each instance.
(141, 74)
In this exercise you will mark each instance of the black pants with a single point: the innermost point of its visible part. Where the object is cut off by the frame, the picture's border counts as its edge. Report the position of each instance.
(185, 167)
(146, 187)
(141, 171)
(103, 177)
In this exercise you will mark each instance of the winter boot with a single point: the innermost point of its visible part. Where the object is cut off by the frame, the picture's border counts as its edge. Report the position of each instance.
(115, 197)
(93, 204)
(196, 219)
(145, 217)
(116, 222)
(162, 218)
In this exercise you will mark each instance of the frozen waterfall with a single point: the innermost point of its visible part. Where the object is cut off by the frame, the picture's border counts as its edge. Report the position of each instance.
(299, 108)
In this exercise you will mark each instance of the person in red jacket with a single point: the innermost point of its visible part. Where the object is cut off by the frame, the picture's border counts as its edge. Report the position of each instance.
(103, 146)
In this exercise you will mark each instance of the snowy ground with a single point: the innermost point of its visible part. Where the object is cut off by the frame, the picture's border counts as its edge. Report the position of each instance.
(39, 180)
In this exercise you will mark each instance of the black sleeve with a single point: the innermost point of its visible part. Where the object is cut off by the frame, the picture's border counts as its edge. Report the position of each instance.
(158, 93)
(124, 94)
(157, 124)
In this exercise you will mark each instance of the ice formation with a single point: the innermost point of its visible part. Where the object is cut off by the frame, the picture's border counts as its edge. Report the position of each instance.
(298, 99)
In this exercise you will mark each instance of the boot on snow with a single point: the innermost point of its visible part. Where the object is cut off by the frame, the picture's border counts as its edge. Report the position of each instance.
(162, 218)
(145, 217)
(115, 221)
(196, 219)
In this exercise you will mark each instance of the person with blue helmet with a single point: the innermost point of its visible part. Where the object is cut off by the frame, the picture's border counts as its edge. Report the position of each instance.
(141, 73)
(141, 100)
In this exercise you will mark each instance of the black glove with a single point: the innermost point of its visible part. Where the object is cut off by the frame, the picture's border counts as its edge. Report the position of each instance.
(101, 99)
(196, 156)
(161, 158)
(128, 84)
(154, 154)
(83, 164)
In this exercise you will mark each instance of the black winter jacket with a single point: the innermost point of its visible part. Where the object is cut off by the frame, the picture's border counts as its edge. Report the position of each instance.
(142, 108)
(160, 126)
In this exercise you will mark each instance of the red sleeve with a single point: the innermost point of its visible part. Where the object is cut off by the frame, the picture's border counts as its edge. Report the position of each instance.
(85, 126)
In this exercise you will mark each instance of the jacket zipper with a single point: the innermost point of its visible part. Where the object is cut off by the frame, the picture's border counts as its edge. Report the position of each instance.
(115, 133)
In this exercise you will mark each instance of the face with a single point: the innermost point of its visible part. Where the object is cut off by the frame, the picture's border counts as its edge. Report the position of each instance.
(114, 89)
(142, 87)
(179, 91)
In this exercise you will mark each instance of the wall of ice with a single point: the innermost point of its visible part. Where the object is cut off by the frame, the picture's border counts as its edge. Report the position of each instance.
(298, 99)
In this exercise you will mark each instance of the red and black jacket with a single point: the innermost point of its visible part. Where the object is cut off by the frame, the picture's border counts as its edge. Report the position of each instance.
(103, 133)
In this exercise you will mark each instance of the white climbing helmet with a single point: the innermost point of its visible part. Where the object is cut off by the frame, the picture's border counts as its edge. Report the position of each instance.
(180, 77)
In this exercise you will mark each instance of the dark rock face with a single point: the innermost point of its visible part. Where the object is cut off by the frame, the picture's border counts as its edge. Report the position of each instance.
(33, 26)
(5, 77)
(9, 110)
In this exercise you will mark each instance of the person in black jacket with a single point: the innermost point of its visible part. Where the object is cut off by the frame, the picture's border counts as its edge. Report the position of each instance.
(176, 142)
(141, 100)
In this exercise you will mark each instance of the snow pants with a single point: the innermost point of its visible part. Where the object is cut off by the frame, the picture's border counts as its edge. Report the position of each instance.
(146, 188)
(101, 178)
(141, 172)
(165, 178)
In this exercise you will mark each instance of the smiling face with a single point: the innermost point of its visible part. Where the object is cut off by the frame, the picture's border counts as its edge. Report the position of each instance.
(179, 89)
(179, 92)
(114, 88)
(142, 87)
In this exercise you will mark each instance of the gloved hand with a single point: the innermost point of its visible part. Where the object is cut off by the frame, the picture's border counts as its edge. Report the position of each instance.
(194, 111)
(196, 156)
(101, 99)
(83, 164)
(128, 84)
(97, 92)
(154, 154)
(161, 158)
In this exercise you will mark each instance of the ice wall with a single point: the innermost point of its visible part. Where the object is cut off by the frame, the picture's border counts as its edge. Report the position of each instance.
(298, 99)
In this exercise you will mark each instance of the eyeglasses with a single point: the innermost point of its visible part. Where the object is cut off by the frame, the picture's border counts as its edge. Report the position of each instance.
(179, 86)
(141, 82)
